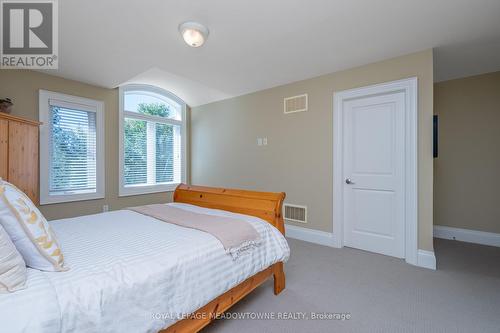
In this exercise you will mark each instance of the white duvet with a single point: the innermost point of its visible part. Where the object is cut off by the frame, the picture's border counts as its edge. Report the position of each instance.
(133, 273)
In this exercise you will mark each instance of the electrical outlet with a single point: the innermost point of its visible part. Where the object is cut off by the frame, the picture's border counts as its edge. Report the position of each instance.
(105, 208)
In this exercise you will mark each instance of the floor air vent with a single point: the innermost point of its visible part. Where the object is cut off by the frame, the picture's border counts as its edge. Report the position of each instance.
(295, 104)
(295, 213)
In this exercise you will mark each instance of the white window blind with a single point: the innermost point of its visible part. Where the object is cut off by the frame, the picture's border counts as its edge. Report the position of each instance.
(72, 150)
(152, 146)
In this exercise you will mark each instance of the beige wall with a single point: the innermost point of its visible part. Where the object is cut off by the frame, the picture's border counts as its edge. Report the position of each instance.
(467, 179)
(299, 157)
(22, 87)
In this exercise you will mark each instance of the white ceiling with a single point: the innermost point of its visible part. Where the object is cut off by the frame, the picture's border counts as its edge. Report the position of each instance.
(467, 58)
(259, 44)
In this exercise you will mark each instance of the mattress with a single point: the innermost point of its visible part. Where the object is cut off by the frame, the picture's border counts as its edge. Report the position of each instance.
(130, 272)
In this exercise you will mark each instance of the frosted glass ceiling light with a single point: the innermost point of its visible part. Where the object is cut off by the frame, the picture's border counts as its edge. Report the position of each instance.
(193, 33)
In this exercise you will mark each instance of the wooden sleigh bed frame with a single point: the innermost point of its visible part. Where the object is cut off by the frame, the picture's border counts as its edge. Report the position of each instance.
(265, 205)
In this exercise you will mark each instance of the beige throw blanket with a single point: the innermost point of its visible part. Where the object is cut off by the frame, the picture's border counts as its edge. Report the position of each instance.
(236, 235)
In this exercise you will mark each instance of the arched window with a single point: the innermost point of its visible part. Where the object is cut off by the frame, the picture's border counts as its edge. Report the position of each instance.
(152, 140)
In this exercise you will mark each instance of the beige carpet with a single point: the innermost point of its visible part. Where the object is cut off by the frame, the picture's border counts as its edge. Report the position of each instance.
(380, 293)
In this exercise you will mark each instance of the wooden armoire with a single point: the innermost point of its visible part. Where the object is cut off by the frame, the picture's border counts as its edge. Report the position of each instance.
(19, 153)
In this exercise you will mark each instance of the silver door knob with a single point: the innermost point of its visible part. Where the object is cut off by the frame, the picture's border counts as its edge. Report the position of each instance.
(349, 181)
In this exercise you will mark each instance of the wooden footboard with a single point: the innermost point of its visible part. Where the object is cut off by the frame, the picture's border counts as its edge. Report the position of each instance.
(265, 205)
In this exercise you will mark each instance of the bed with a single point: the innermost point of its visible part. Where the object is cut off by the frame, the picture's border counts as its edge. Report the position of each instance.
(139, 274)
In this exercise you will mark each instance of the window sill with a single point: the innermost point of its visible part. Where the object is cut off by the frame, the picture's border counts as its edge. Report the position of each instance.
(146, 189)
(55, 199)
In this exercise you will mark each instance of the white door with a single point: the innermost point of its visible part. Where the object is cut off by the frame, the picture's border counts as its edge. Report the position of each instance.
(373, 167)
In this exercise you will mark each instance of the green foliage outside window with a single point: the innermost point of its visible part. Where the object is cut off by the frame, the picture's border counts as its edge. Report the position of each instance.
(71, 161)
(135, 146)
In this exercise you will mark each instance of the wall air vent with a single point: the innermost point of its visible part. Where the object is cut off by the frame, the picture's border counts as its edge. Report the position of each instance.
(295, 104)
(295, 213)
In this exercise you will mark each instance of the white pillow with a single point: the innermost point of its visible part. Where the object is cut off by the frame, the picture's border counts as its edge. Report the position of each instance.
(29, 230)
(12, 266)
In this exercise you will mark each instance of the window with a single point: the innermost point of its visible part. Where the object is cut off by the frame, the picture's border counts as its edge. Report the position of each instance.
(152, 140)
(71, 148)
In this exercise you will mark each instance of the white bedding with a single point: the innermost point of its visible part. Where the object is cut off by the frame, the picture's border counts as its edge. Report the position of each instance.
(130, 272)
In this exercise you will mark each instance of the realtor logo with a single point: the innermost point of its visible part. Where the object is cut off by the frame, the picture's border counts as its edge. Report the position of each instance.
(29, 34)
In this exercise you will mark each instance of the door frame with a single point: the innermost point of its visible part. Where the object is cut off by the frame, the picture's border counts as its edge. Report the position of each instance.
(409, 87)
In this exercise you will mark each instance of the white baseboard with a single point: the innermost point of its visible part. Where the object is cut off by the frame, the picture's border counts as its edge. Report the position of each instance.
(426, 259)
(466, 235)
(310, 235)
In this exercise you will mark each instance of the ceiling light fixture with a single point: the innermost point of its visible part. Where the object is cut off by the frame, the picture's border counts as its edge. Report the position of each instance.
(193, 33)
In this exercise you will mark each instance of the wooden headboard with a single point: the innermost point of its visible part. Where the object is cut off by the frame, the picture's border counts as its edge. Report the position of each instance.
(264, 205)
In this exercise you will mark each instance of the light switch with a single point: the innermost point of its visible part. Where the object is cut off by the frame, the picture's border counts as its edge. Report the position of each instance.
(259, 141)
(264, 141)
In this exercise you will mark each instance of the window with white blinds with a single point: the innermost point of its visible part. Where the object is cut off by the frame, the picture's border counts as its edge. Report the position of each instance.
(152, 153)
(72, 150)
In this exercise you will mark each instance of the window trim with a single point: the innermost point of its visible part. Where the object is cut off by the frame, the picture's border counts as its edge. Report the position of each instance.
(123, 190)
(44, 117)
